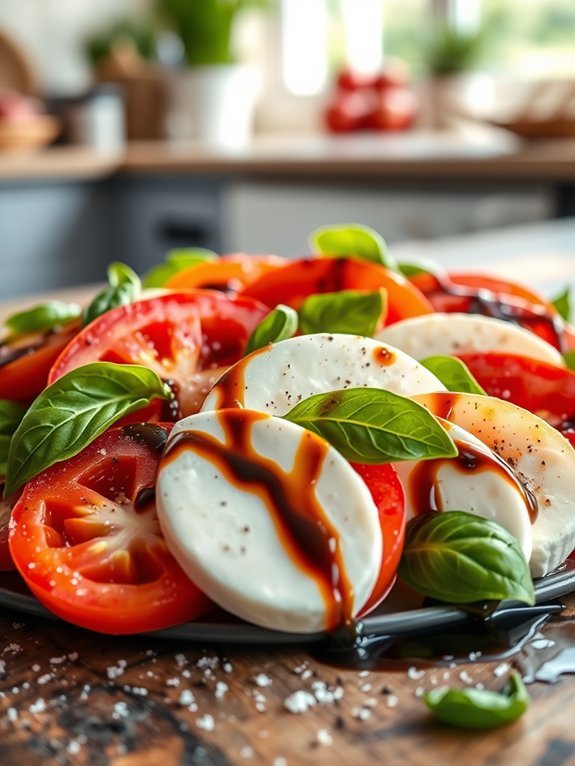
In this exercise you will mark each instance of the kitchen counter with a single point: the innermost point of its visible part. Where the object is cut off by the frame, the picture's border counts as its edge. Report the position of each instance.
(441, 156)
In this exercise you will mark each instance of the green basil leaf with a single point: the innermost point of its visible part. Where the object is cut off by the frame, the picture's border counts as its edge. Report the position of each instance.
(124, 287)
(460, 558)
(11, 415)
(176, 261)
(355, 312)
(369, 425)
(352, 241)
(453, 373)
(73, 411)
(42, 318)
(414, 268)
(564, 304)
(279, 324)
(569, 359)
(479, 708)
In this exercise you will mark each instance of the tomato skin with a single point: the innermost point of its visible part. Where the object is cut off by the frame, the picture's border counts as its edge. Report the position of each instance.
(86, 539)
(178, 335)
(540, 387)
(25, 377)
(389, 496)
(6, 562)
(293, 283)
(230, 272)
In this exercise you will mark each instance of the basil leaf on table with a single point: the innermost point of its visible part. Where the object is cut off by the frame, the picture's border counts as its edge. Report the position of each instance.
(279, 324)
(569, 359)
(355, 312)
(458, 557)
(352, 241)
(11, 415)
(124, 287)
(564, 304)
(479, 708)
(369, 425)
(73, 411)
(176, 261)
(41, 318)
(453, 373)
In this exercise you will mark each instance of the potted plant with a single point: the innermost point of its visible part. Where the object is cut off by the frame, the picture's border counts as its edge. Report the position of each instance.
(213, 97)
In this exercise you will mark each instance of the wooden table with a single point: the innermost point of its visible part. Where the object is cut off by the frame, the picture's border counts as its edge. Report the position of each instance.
(68, 696)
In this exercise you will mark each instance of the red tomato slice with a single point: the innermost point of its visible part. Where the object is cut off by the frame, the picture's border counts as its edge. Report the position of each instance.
(187, 338)
(542, 388)
(230, 272)
(389, 497)
(25, 363)
(491, 296)
(293, 283)
(86, 538)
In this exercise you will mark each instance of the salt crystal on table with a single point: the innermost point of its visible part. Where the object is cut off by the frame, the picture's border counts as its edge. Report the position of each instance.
(206, 722)
(262, 680)
(299, 702)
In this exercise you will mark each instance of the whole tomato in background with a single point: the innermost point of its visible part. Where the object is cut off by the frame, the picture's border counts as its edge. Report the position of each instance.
(382, 101)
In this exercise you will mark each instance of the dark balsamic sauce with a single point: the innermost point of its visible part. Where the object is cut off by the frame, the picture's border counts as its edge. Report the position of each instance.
(308, 536)
(485, 302)
(152, 435)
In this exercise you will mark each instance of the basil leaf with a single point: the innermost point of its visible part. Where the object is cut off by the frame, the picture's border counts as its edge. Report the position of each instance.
(352, 241)
(11, 415)
(279, 324)
(124, 287)
(460, 558)
(569, 359)
(43, 317)
(176, 261)
(369, 425)
(73, 411)
(414, 268)
(479, 708)
(453, 373)
(355, 312)
(564, 304)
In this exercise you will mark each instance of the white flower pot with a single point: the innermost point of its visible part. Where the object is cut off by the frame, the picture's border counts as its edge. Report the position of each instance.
(213, 104)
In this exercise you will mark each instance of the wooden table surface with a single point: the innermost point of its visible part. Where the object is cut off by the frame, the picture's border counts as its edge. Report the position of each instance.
(68, 696)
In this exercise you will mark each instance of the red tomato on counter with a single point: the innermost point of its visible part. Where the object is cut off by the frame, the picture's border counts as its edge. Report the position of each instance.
(86, 538)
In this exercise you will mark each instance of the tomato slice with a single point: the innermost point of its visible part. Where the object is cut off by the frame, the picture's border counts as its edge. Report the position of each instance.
(491, 296)
(542, 388)
(187, 338)
(293, 283)
(230, 272)
(389, 497)
(26, 362)
(86, 538)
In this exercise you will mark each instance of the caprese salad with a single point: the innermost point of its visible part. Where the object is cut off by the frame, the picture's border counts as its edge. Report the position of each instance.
(284, 438)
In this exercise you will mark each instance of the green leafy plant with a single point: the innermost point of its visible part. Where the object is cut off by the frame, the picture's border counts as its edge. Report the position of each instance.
(124, 287)
(205, 27)
(453, 373)
(352, 241)
(280, 324)
(354, 312)
(42, 318)
(452, 50)
(139, 32)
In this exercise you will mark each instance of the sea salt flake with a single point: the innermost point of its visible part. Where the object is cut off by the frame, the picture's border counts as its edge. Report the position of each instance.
(37, 707)
(262, 680)
(465, 677)
(186, 698)
(299, 702)
(246, 752)
(221, 690)
(414, 674)
(324, 737)
(501, 669)
(206, 722)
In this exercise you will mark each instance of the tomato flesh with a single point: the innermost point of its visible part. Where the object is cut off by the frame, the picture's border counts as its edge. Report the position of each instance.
(25, 363)
(389, 497)
(293, 283)
(86, 538)
(187, 338)
(542, 388)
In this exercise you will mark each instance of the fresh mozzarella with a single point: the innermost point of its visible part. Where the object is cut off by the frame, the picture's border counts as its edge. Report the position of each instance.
(476, 481)
(542, 459)
(459, 333)
(277, 377)
(225, 518)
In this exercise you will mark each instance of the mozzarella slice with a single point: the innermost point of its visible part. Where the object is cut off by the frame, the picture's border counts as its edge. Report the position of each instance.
(235, 488)
(275, 378)
(541, 458)
(459, 333)
(476, 481)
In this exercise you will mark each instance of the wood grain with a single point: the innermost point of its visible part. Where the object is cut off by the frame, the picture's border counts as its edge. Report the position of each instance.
(72, 697)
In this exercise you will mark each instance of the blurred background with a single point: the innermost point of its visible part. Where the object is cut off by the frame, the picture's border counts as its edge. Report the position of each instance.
(130, 127)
